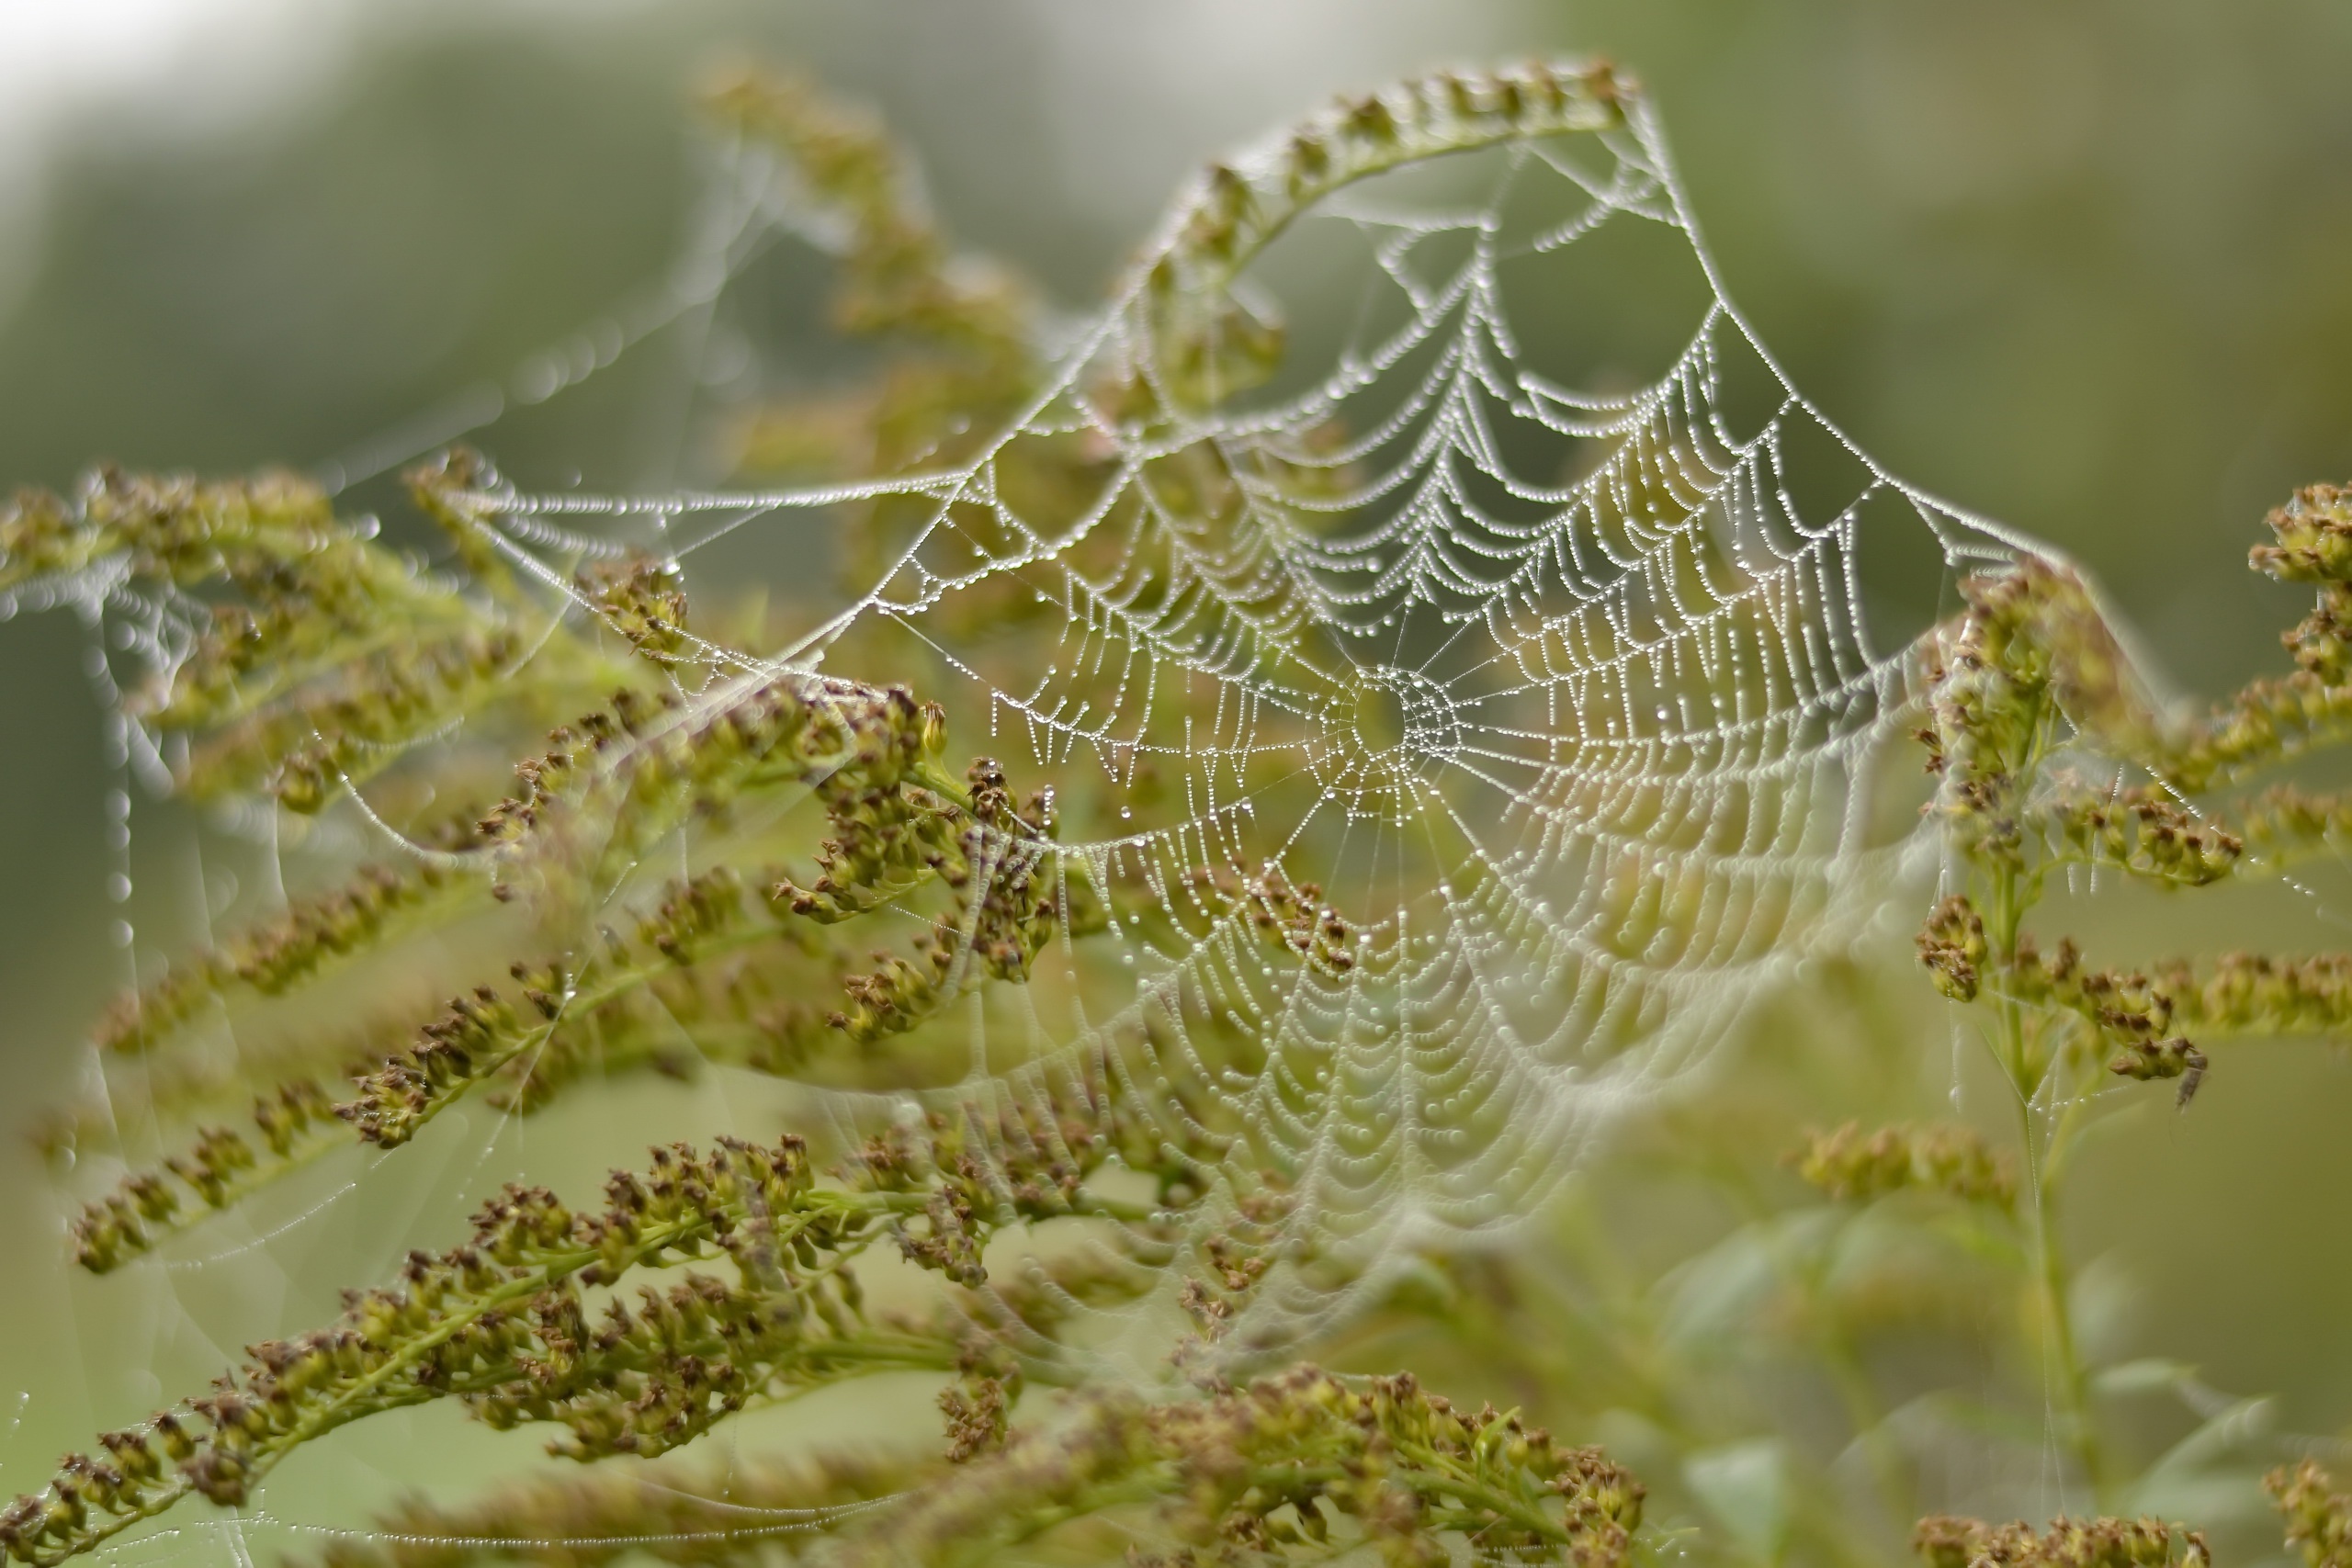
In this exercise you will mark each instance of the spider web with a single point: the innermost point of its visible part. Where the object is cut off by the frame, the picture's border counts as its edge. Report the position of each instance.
(1554, 686)
(1519, 622)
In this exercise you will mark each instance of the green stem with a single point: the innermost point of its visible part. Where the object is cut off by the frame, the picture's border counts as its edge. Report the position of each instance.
(2026, 1071)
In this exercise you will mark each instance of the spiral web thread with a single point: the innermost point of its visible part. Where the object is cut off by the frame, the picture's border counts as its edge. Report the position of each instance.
(1561, 697)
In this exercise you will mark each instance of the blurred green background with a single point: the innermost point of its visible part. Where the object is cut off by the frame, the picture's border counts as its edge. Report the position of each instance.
(2084, 266)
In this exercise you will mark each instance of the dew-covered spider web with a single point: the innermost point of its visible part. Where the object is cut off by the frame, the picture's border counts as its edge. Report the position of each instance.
(1461, 650)
(1463, 665)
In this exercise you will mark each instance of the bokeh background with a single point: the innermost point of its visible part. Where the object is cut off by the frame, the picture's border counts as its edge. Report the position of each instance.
(2085, 266)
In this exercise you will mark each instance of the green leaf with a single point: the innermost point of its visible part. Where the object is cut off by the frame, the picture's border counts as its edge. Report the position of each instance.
(1746, 1487)
(2221, 1434)
(2148, 1375)
(1718, 1297)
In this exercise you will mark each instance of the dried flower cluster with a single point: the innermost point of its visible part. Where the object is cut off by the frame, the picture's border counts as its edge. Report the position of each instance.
(1292, 917)
(1302, 1459)
(2319, 1516)
(499, 1322)
(2030, 675)
(1951, 1159)
(2050, 757)
(865, 753)
(1948, 1542)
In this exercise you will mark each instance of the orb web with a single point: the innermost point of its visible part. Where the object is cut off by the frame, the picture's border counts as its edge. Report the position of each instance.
(1464, 664)
(1463, 655)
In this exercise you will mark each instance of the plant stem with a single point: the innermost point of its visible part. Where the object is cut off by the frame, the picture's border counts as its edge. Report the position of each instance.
(2062, 1362)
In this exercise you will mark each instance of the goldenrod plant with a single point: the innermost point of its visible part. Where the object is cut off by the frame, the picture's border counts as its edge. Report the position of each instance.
(1266, 878)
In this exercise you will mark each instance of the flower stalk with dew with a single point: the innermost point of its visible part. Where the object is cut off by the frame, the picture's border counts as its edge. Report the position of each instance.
(2032, 702)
